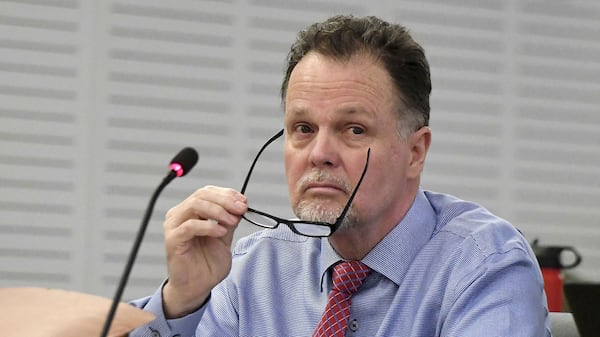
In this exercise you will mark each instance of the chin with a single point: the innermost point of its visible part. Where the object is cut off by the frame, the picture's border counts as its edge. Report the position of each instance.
(318, 210)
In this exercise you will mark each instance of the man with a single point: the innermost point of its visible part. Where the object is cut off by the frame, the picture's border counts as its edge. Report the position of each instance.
(356, 101)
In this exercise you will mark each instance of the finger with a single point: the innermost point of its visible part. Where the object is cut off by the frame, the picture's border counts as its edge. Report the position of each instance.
(204, 210)
(224, 205)
(197, 228)
(223, 196)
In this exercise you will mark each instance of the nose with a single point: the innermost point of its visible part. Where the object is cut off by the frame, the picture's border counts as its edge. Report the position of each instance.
(324, 152)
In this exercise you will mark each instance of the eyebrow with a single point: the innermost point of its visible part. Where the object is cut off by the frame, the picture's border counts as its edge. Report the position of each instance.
(354, 111)
(350, 110)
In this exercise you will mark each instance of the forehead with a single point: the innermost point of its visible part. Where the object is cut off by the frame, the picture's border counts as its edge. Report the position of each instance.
(360, 83)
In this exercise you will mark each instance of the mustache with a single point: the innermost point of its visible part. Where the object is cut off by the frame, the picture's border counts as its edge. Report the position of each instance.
(320, 176)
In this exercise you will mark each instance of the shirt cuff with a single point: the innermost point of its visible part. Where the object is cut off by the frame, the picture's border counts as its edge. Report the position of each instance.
(183, 327)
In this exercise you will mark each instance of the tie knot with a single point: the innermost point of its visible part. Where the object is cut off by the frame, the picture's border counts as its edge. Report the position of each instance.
(348, 276)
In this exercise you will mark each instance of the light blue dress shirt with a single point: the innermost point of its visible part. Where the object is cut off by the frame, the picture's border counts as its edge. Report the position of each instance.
(449, 268)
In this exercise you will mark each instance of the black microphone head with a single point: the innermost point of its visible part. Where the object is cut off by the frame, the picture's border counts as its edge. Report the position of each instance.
(183, 162)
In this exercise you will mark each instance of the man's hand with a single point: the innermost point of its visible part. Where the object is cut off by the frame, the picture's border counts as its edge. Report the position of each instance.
(198, 236)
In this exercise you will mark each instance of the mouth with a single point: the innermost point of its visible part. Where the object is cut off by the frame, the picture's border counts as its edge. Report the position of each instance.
(324, 188)
(322, 184)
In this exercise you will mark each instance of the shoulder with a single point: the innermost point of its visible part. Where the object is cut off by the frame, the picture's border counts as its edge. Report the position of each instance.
(472, 226)
(272, 255)
(266, 238)
(478, 248)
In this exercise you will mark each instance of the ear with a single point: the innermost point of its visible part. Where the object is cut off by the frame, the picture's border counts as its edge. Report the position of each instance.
(419, 145)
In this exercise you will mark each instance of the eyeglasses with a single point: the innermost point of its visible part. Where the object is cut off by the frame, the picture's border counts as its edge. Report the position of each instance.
(301, 227)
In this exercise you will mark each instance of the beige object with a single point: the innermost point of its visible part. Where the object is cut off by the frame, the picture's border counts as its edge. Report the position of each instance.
(40, 312)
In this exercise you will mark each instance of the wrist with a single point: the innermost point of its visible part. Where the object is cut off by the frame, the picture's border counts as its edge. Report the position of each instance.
(177, 304)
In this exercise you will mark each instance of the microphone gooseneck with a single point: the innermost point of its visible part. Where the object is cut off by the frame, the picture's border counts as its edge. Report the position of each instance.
(181, 164)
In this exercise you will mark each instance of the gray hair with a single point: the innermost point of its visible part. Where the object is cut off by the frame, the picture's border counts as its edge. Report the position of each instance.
(344, 36)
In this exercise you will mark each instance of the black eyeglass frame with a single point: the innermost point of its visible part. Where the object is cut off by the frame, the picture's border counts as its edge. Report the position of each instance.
(292, 223)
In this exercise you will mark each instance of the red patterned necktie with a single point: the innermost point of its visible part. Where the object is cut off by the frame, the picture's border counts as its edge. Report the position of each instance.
(348, 276)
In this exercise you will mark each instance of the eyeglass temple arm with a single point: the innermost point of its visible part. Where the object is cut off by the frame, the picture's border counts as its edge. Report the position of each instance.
(349, 203)
(271, 140)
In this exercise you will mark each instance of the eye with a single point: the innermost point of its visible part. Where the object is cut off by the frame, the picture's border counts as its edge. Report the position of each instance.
(357, 130)
(303, 128)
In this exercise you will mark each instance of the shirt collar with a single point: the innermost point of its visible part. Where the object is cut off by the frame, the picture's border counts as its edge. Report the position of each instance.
(393, 255)
(328, 258)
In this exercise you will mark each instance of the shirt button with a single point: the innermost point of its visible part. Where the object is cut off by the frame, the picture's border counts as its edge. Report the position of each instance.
(354, 325)
(155, 334)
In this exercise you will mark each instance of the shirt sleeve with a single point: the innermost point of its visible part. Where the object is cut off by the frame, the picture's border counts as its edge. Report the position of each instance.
(162, 327)
(502, 296)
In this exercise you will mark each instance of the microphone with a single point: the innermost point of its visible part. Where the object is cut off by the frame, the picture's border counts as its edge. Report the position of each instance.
(181, 164)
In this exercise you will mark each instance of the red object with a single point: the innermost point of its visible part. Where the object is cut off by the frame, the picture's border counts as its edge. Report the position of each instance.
(177, 168)
(551, 260)
(347, 278)
(553, 285)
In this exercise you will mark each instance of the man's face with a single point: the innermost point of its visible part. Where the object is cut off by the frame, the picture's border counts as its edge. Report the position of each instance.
(335, 111)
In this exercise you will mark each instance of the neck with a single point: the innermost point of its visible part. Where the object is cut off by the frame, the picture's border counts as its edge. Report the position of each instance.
(356, 242)
(352, 244)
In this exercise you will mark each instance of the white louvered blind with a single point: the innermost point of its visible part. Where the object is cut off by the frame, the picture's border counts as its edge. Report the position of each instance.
(97, 96)
(43, 179)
